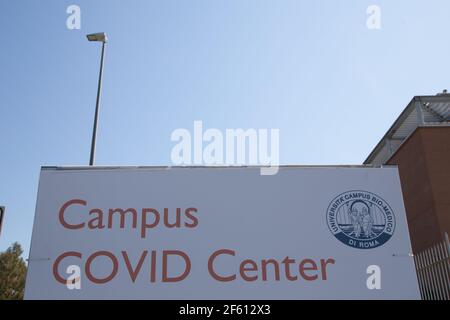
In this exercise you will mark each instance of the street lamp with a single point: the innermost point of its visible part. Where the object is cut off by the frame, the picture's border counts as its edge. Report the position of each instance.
(99, 37)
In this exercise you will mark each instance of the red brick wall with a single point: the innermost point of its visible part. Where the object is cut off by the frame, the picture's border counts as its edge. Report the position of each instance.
(424, 167)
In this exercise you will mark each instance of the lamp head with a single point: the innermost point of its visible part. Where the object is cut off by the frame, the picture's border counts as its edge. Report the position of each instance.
(100, 37)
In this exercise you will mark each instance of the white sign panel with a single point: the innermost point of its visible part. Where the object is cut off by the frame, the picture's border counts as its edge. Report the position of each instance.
(220, 233)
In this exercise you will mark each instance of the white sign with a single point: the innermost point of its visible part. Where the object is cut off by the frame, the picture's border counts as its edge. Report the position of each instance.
(220, 233)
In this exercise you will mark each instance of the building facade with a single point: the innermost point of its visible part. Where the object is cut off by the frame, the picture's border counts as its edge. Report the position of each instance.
(419, 144)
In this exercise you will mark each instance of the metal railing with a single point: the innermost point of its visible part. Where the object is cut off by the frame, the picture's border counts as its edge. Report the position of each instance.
(433, 271)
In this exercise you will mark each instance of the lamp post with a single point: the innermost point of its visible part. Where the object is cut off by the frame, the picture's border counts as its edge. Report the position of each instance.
(2, 212)
(99, 37)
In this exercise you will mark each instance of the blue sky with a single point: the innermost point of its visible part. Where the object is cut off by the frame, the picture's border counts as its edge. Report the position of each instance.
(309, 68)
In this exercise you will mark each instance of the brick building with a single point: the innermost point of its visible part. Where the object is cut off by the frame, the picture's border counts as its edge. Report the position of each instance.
(419, 143)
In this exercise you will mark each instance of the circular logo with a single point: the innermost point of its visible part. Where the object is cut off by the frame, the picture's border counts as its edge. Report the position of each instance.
(361, 219)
